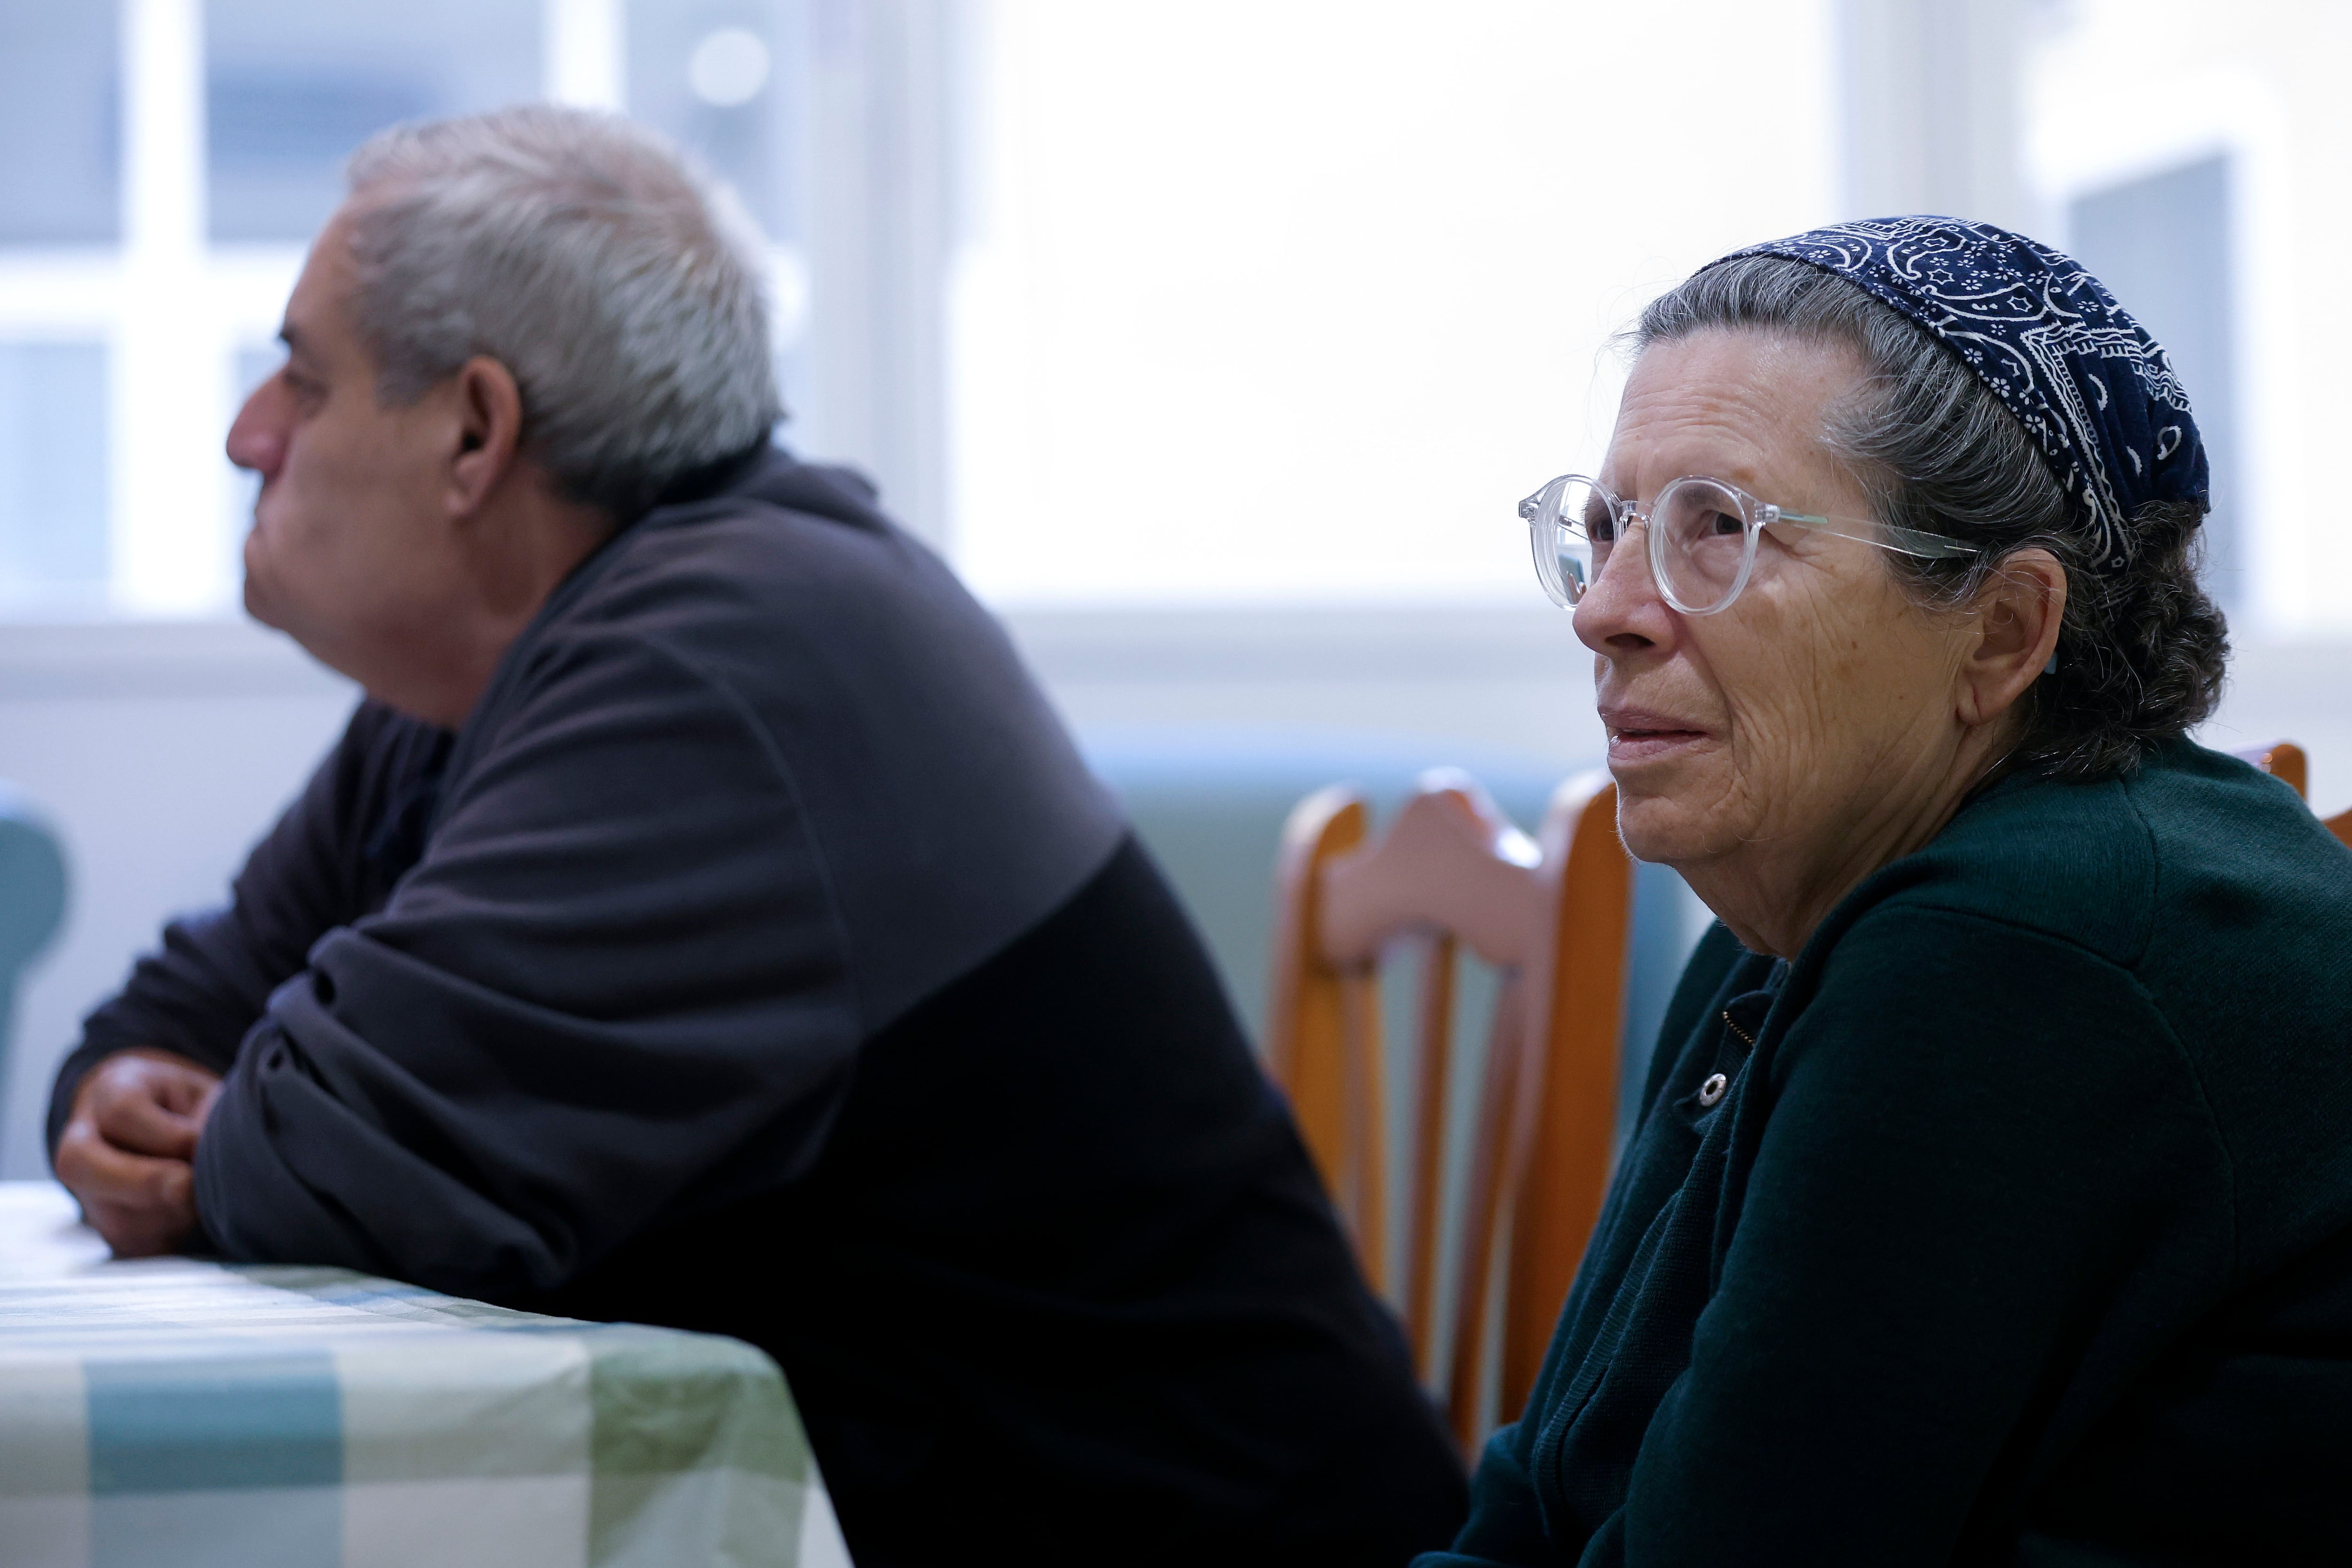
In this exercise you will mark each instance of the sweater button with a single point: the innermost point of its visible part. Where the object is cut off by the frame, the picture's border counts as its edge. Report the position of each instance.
(1712, 1090)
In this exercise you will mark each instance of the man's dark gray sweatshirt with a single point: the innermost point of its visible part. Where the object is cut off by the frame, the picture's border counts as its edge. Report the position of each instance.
(760, 958)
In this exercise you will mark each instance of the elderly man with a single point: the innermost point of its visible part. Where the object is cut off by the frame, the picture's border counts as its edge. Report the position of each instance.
(703, 920)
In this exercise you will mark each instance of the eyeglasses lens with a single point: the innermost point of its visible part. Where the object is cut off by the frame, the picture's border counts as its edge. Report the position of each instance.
(1570, 530)
(1702, 532)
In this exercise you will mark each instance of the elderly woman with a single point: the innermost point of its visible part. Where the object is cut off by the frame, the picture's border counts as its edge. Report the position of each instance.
(1991, 1199)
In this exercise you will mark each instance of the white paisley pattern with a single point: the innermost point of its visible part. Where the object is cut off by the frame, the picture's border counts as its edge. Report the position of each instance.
(2097, 393)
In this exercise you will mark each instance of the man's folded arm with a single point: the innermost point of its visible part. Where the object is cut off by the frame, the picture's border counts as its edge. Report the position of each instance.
(617, 961)
(198, 994)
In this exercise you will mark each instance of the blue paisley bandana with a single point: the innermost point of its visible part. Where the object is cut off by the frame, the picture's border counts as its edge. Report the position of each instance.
(2097, 393)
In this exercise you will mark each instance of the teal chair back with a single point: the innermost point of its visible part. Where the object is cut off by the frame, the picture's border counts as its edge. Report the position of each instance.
(1210, 802)
(32, 901)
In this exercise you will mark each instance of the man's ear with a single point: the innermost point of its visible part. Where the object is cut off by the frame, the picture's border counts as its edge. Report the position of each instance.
(2016, 615)
(490, 432)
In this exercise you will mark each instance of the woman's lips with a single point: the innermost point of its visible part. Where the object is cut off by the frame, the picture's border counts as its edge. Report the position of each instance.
(1647, 737)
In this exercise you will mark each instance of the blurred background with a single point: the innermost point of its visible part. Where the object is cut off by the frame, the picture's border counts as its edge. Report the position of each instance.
(1213, 340)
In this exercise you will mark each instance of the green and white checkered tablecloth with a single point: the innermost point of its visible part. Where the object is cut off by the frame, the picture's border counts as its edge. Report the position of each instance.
(178, 1412)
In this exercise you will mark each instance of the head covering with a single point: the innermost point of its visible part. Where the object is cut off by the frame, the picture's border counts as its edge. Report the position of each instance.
(2097, 393)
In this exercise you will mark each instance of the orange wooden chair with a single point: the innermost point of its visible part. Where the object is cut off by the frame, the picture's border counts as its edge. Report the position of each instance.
(2285, 760)
(1552, 915)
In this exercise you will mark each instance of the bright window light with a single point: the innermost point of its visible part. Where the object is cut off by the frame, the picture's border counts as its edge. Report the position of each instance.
(1293, 302)
(729, 67)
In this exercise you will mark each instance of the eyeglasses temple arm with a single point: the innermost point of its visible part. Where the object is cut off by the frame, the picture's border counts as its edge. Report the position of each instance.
(1902, 540)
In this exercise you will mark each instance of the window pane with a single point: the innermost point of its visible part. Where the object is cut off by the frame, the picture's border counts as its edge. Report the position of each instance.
(1283, 302)
(293, 85)
(722, 77)
(60, 142)
(53, 499)
(2162, 245)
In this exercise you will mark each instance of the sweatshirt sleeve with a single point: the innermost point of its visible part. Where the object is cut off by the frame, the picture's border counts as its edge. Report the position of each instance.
(207, 984)
(1988, 1172)
(618, 961)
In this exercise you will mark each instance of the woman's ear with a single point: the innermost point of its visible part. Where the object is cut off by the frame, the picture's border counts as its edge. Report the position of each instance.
(2017, 614)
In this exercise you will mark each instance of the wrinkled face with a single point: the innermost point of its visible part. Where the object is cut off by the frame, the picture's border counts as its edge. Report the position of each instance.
(350, 553)
(1822, 693)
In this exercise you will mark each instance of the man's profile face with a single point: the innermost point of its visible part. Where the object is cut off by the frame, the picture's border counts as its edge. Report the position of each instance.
(350, 552)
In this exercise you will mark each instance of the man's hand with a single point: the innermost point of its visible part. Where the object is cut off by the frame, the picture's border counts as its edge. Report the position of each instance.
(127, 1149)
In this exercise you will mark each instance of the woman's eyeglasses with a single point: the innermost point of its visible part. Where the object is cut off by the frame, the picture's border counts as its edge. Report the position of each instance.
(1702, 537)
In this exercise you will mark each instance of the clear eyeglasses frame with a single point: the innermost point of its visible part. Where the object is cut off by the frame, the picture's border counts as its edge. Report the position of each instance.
(1702, 536)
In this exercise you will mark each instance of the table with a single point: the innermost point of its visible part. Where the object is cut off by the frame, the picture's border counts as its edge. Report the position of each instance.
(172, 1412)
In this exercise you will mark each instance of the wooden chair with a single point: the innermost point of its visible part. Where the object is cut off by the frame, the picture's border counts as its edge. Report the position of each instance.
(1552, 915)
(2285, 760)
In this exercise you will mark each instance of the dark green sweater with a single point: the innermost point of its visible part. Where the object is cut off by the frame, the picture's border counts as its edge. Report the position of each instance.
(2021, 1233)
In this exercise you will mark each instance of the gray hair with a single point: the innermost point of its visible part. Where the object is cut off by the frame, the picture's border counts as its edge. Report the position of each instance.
(618, 284)
(2141, 650)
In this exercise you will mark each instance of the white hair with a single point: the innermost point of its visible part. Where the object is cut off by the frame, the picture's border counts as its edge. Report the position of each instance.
(616, 282)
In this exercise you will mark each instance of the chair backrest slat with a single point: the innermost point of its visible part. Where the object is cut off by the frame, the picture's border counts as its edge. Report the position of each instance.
(1484, 1211)
(1551, 915)
(1307, 1044)
(1433, 1073)
(1363, 1141)
(1579, 997)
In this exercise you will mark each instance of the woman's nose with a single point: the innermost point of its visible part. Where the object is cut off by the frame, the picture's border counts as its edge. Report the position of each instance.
(257, 437)
(1622, 610)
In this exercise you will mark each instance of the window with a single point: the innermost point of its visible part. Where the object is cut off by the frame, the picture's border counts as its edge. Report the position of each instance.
(2194, 164)
(1293, 302)
(723, 77)
(2161, 243)
(163, 165)
(61, 184)
(728, 80)
(53, 472)
(60, 195)
(292, 86)
(1155, 303)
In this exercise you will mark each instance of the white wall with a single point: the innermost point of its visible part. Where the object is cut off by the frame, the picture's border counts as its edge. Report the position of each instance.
(159, 753)
(2120, 89)
(162, 750)
(1508, 678)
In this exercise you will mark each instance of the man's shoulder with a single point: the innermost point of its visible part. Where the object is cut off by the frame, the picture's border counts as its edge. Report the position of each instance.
(799, 613)
(801, 536)
(923, 761)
